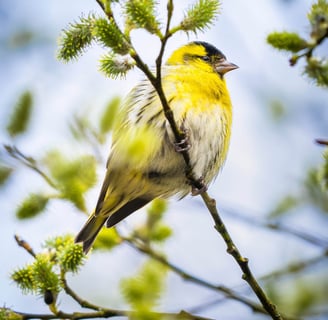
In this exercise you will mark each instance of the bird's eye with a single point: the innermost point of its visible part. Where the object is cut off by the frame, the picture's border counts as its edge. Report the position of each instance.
(205, 58)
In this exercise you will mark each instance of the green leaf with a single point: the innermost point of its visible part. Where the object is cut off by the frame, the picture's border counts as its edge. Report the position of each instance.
(143, 290)
(110, 36)
(108, 117)
(107, 239)
(5, 173)
(141, 14)
(73, 177)
(288, 41)
(33, 205)
(287, 203)
(20, 118)
(7, 314)
(157, 208)
(317, 70)
(75, 39)
(115, 66)
(160, 232)
(200, 15)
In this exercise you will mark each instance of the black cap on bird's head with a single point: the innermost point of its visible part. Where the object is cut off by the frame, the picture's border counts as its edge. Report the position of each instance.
(204, 51)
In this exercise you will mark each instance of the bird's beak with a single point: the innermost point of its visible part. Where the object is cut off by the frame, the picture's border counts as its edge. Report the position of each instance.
(224, 67)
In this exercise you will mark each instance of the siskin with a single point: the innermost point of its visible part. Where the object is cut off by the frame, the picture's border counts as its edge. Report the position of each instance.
(196, 91)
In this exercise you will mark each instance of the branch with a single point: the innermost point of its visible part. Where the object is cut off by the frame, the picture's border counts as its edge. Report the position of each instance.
(242, 261)
(303, 235)
(228, 293)
(29, 162)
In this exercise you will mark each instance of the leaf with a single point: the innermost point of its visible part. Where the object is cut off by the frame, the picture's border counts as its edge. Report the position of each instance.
(33, 205)
(287, 203)
(108, 117)
(20, 118)
(143, 290)
(200, 15)
(288, 41)
(5, 173)
(73, 177)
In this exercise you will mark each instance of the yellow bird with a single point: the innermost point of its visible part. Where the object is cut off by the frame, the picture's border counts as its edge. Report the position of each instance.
(194, 86)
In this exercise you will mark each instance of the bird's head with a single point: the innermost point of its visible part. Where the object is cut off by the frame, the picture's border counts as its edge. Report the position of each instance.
(203, 55)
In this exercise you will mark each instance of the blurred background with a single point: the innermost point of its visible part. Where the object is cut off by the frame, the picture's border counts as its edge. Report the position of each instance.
(278, 114)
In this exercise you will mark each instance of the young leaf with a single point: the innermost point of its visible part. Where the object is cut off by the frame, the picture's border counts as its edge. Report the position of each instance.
(288, 41)
(108, 117)
(143, 290)
(21, 116)
(5, 173)
(73, 177)
(75, 39)
(141, 14)
(317, 69)
(34, 204)
(110, 36)
(200, 15)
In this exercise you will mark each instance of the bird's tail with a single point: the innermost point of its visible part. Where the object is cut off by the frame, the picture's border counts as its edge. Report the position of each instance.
(89, 231)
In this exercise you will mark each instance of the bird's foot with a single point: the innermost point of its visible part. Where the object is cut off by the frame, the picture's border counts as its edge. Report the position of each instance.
(200, 188)
(184, 144)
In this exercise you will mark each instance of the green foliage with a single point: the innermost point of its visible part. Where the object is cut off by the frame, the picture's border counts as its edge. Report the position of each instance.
(76, 38)
(110, 36)
(200, 15)
(34, 204)
(316, 68)
(73, 177)
(289, 41)
(43, 275)
(7, 314)
(108, 117)
(141, 14)
(20, 118)
(71, 257)
(25, 279)
(107, 239)
(143, 290)
(286, 203)
(115, 66)
(323, 172)
(5, 173)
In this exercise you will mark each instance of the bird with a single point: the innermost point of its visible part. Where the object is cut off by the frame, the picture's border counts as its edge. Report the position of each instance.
(194, 86)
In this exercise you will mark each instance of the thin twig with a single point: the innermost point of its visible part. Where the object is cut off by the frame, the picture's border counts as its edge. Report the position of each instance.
(242, 261)
(228, 293)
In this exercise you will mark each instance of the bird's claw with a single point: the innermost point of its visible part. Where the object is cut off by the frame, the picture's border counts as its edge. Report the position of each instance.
(183, 144)
(201, 188)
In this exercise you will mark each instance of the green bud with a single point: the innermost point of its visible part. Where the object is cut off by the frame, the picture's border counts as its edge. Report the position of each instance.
(141, 14)
(200, 15)
(32, 206)
(71, 258)
(317, 69)
(288, 41)
(109, 35)
(108, 117)
(75, 39)
(24, 278)
(21, 116)
(107, 239)
(116, 66)
(7, 314)
(160, 232)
